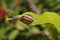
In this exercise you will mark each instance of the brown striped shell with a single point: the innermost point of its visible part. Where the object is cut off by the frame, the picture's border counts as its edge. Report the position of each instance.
(27, 19)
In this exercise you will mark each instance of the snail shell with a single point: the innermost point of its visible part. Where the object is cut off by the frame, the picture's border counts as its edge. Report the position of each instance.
(27, 19)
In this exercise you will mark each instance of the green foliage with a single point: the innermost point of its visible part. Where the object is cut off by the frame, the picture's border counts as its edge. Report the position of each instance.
(53, 31)
(47, 17)
(49, 20)
(50, 5)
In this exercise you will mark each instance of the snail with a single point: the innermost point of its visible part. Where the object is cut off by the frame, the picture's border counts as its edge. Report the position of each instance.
(26, 19)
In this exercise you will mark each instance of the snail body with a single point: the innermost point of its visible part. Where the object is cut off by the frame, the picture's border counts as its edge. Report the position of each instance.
(26, 19)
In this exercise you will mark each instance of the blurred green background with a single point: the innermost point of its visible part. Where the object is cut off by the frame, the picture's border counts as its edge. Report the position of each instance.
(49, 20)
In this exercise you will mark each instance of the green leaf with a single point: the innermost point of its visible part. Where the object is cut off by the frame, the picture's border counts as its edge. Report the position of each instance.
(13, 34)
(47, 17)
(20, 24)
(53, 31)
